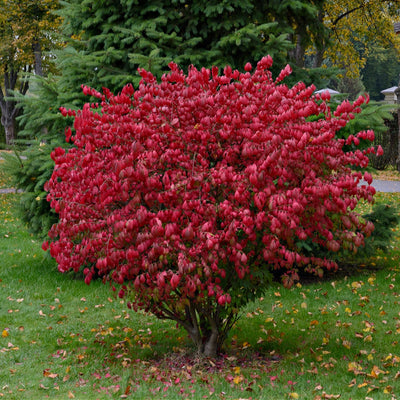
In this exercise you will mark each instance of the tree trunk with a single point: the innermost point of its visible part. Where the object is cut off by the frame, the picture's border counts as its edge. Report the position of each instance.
(9, 110)
(299, 53)
(208, 328)
(319, 58)
(37, 50)
(8, 115)
(9, 128)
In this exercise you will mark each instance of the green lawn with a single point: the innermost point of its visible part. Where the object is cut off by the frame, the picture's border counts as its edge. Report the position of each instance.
(4, 178)
(62, 339)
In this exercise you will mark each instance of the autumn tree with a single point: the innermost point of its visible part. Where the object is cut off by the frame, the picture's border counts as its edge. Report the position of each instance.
(26, 31)
(355, 27)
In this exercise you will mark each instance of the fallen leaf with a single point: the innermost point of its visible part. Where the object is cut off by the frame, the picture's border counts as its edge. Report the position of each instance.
(376, 371)
(330, 396)
(388, 390)
(48, 374)
(355, 368)
(352, 383)
(371, 281)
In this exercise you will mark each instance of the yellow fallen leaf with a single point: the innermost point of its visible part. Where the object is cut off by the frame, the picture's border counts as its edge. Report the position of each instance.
(5, 333)
(346, 344)
(388, 390)
(371, 280)
(375, 372)
(389, 357)
(293, 395)
(355, 285)
(354, 367)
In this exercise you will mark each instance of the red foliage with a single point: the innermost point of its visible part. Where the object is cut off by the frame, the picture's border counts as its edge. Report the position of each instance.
(180, 187)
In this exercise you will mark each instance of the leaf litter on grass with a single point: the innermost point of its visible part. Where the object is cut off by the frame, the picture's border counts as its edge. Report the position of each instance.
(319, 341)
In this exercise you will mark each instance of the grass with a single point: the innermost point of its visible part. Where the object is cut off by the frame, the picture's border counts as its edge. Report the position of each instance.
(5, 180)
(388, 174)
(61, 339)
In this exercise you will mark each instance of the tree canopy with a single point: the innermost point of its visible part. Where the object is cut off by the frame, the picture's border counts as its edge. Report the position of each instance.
(354, 26)
(27, 30)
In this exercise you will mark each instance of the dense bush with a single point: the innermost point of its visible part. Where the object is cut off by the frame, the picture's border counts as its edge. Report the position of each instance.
(385, 218)
(187, 193)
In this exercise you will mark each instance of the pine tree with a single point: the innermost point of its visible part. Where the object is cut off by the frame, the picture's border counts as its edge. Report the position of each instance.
(42, 130)
(110, 41)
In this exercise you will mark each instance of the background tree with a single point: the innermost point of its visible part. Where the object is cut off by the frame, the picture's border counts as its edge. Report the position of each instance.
(354, 25)
(381, 70)
(26, 31)
(113, 39)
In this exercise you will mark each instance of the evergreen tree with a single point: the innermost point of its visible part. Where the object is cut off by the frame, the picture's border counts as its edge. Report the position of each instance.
(42, 129)
(112, 39)
(381, 71)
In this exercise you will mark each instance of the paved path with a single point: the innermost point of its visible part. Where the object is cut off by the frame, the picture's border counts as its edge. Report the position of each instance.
(386, 186)
(9, 190)
(380, 186)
